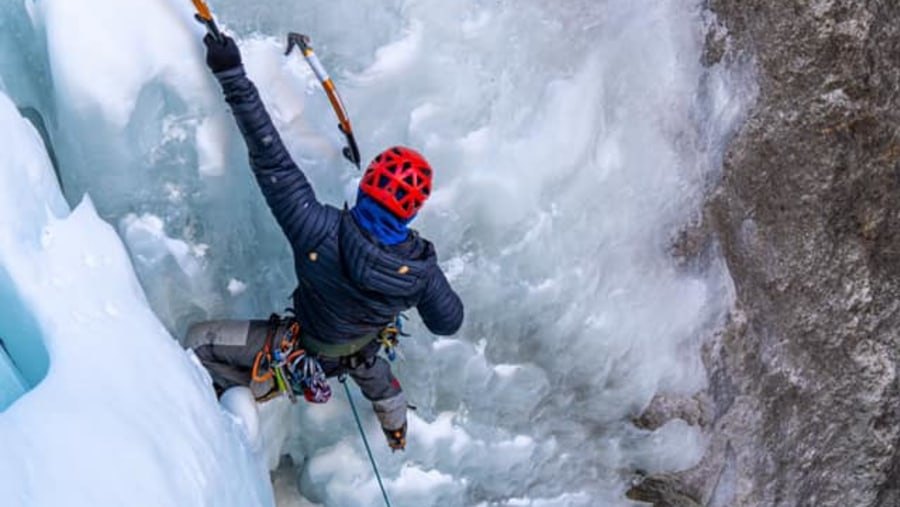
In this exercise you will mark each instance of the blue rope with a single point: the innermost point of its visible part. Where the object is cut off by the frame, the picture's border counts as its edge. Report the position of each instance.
(366, 442)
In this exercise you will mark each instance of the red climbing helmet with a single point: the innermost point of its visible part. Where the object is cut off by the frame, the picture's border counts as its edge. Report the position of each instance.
(399, 179)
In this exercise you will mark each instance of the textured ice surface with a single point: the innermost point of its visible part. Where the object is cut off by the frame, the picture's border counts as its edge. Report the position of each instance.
(123, 416)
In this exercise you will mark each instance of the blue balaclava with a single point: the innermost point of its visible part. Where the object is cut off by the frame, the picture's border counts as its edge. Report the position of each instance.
(379, 222)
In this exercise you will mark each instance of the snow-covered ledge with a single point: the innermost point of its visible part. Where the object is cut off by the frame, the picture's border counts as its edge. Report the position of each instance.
(123, 416)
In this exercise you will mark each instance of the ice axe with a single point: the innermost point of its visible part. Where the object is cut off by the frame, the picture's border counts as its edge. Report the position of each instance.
(204, 16)
(351, 151)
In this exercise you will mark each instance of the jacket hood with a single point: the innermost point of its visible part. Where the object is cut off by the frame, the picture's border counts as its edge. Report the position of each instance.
(396, 270)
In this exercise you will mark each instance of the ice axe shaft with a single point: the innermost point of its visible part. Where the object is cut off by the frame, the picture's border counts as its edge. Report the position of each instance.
(303, 43)
(205, 16)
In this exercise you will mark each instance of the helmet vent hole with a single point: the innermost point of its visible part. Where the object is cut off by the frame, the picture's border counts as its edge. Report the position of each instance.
(426, 171)
(409, 180)
(397, 151)
(406, 165)
(392, 168)
(383, 181)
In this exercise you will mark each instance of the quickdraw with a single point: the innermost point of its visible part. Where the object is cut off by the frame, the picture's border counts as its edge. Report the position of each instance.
(389, 338)
(307, 372)
(292, 370)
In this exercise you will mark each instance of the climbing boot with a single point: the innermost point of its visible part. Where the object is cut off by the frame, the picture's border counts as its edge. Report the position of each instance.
(396, 439)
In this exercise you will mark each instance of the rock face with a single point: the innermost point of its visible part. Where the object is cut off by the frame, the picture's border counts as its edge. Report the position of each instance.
(804, 382)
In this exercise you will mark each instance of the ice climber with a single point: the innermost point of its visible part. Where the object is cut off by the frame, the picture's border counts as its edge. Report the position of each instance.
(357, 269)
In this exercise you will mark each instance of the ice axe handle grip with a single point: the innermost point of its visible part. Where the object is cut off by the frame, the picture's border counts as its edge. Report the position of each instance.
(211, 27)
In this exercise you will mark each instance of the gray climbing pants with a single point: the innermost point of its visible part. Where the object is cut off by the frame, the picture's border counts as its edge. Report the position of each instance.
(228, 348)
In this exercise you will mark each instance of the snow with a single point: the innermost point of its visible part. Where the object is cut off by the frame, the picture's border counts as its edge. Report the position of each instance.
(112, 365)
(570, 146)
(236, 287)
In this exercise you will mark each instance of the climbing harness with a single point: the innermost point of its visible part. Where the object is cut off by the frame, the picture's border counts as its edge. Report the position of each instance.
(343, 379)
(293, 370)
(289, 358)
(337, 350)
(351, 151)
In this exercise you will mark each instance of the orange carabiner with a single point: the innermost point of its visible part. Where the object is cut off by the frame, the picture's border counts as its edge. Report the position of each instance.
(256, 364)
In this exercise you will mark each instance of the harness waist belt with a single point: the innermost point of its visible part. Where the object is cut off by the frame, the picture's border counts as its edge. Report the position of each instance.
(336, 350)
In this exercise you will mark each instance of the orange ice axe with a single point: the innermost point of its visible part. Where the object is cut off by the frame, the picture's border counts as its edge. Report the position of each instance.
(351, 151)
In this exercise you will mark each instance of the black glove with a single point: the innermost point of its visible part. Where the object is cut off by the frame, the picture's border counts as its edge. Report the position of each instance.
(221, 56)
(396, 439)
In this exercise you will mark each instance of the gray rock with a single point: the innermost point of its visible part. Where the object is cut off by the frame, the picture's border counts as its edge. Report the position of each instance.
(662, 491)
(803, 382)
(663, 408)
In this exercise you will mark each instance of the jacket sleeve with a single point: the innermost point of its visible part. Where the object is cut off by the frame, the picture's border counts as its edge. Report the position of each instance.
(440, 307)
(287, 191)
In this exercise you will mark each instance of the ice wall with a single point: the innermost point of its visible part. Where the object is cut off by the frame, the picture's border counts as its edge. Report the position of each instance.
(23, 357)
(123, 416)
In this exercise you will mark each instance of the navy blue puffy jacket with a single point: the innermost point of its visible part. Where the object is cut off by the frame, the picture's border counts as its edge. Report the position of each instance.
(349, 285)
